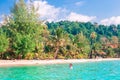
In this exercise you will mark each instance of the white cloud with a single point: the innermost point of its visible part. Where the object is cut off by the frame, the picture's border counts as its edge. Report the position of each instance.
(79, 17)
(1, 20)
(51, 13)
(80, 3)
(111, 20)
(4, 19)
(48, 12)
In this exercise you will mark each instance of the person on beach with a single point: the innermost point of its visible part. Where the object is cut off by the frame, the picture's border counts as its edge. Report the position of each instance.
(70, 66)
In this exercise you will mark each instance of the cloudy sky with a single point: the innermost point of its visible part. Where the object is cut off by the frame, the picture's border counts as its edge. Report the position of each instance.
(102, 11)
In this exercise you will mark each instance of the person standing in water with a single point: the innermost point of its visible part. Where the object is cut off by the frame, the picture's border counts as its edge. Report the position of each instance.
(70, 66)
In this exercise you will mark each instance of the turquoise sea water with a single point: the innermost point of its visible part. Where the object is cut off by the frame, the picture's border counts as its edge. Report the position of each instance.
(106, 70)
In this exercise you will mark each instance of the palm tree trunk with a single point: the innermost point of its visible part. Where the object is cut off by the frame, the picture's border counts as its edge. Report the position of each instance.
(90, 55)
(56, 52)
(1, 56)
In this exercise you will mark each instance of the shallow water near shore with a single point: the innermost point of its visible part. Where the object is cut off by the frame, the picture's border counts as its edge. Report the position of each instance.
(103, 70)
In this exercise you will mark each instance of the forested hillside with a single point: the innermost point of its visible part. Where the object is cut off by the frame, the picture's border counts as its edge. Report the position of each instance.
(24, 36)
(86, 28)
(106, 37)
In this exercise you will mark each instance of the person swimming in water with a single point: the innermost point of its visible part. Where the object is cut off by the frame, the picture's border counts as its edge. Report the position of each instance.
(70, 66)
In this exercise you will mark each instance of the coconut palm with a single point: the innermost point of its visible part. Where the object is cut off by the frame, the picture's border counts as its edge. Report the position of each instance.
(82, 43)
(93, 38)
(57, 41)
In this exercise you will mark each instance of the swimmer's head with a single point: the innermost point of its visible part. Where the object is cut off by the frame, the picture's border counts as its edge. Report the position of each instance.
(70, 66)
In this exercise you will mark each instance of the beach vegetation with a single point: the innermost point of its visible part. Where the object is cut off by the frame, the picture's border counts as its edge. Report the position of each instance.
(25, 36)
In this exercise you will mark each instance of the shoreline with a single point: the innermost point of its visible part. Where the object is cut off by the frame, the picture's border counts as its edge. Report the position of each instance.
(7, 63)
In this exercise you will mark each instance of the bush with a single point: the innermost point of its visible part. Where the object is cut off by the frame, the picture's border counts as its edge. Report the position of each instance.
(29, 56)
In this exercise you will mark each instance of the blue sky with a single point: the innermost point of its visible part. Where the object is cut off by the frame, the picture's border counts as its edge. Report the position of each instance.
(100, 8)
(101, 11)
(5, 6)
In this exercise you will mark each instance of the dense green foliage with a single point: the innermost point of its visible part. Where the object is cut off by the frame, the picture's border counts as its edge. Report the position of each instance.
(86, 28)
(102, 40)
(4, 43)
(24, 36)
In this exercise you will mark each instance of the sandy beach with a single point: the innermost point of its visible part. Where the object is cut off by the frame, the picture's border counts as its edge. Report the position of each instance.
(4, 63)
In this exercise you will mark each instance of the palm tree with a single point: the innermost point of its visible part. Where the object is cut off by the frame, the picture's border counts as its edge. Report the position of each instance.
(57, 41)
(93, 37)
(82, 43)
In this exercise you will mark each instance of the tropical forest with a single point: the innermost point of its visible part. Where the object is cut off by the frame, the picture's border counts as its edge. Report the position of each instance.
(23, 35)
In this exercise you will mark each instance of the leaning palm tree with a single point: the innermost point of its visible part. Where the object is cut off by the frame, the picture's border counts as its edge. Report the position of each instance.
(57, 41)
